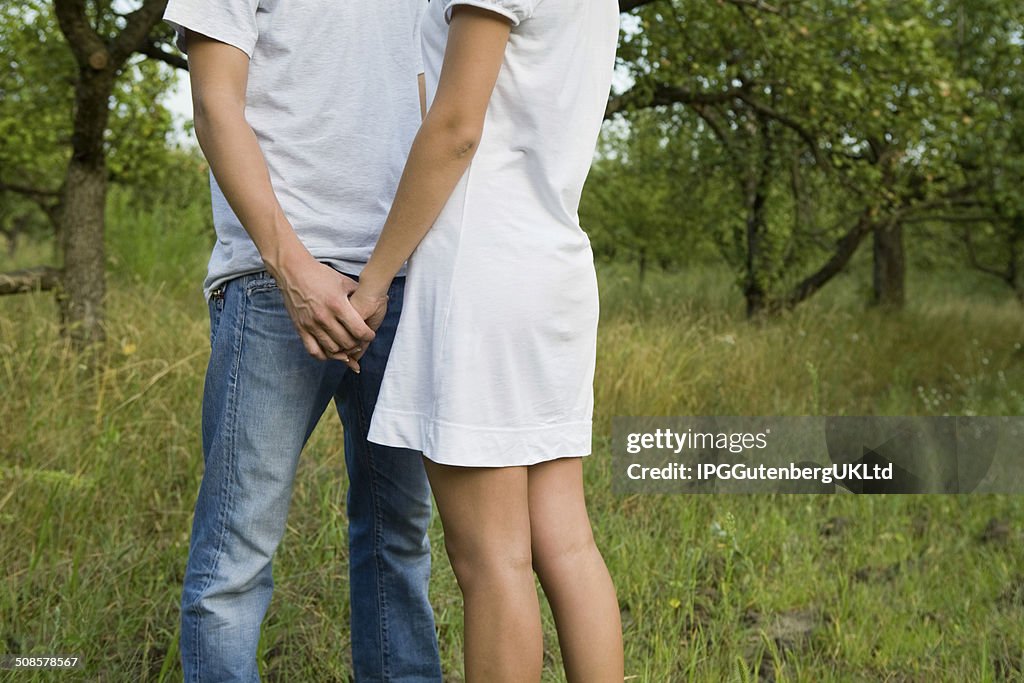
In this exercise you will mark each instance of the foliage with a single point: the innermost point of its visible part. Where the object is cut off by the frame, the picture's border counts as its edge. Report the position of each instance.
(36, 96)
(820, 121)
(37, 101)
(640, 199)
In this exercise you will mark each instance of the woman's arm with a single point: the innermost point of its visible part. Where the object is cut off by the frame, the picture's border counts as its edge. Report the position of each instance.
(442, 150)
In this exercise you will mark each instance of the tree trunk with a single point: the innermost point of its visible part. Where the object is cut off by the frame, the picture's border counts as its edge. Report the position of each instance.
(83, 286)
(83, 212)
(846, 247)
(890, 266)
(1014, 272)
(752, 290)
(756, 191)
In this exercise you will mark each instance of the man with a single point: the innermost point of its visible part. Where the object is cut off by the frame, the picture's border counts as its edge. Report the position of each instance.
(305, 111)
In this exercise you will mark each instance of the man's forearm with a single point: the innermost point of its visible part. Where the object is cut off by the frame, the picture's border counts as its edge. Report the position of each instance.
(421, 85)
(237, 163)
(315, 295)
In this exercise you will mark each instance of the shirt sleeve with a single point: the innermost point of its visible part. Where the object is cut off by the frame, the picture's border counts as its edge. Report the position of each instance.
(515, 11)
(228, 21)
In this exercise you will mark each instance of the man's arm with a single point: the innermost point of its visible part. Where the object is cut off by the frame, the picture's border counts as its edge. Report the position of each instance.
(442, 150)
(315, 295)
(421, 81)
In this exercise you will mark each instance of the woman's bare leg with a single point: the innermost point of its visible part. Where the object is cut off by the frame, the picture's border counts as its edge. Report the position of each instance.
(573, 574)
(486, 520)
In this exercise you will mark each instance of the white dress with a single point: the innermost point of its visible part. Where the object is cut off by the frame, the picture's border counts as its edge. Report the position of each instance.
(493, 361)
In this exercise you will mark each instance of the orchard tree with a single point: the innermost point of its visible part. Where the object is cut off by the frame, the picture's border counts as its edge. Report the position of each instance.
(80, 106)
(837, 120)
(987, 39)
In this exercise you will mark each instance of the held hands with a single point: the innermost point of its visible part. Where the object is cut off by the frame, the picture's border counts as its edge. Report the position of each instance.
(317, 299)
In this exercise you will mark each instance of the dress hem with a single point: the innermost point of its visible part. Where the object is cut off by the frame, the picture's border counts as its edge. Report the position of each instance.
(446, 443)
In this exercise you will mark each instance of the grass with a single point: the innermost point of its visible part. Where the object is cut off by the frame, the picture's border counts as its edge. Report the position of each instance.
(100, 462)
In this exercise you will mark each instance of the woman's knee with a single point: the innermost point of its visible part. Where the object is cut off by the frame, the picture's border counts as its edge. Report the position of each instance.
(494, 564)
(555, 556)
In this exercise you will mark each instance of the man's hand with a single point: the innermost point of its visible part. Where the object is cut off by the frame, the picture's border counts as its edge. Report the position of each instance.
(317, 299)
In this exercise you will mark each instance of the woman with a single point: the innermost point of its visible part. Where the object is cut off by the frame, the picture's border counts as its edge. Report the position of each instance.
(491, 373)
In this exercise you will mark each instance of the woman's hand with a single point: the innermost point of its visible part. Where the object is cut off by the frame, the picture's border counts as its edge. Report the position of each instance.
(372, 306)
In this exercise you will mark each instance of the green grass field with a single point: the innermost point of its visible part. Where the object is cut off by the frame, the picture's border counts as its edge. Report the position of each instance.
(100, 462)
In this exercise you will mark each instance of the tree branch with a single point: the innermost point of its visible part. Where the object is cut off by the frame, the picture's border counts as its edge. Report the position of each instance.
(87, 46)
(153, 51)
(972, 258)
(38, 279)
(805, 135)
(31, 192)
(846, 247)
(664, 95)
(715, 126)
(137, 28)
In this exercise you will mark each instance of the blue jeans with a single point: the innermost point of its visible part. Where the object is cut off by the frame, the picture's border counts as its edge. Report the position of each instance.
(263, 396)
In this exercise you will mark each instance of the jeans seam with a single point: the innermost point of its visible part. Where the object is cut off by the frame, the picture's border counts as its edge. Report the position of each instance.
(227, 487)
(378, 540)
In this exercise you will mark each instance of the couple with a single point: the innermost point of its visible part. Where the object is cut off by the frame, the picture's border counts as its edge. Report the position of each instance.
(308, 111)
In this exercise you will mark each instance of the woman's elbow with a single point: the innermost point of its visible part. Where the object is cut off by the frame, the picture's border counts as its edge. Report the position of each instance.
(464, 146)
(460, 137)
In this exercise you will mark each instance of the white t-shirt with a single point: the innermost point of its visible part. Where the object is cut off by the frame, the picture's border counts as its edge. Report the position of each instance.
(333, 98)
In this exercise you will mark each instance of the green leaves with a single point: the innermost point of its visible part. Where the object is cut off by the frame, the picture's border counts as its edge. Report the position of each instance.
(800, 120)
(37, 100)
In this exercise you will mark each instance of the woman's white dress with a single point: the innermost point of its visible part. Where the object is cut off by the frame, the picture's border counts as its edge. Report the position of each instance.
(493, 361)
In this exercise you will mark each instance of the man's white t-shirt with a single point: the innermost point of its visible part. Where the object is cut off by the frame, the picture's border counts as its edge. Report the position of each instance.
(333, 99)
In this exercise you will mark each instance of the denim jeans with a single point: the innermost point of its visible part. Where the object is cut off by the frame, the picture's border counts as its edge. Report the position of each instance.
(263, 396)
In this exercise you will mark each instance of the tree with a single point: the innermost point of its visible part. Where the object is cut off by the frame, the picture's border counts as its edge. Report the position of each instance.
(94, 69)
(987, 41)
(855, 100)
(636, 199)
